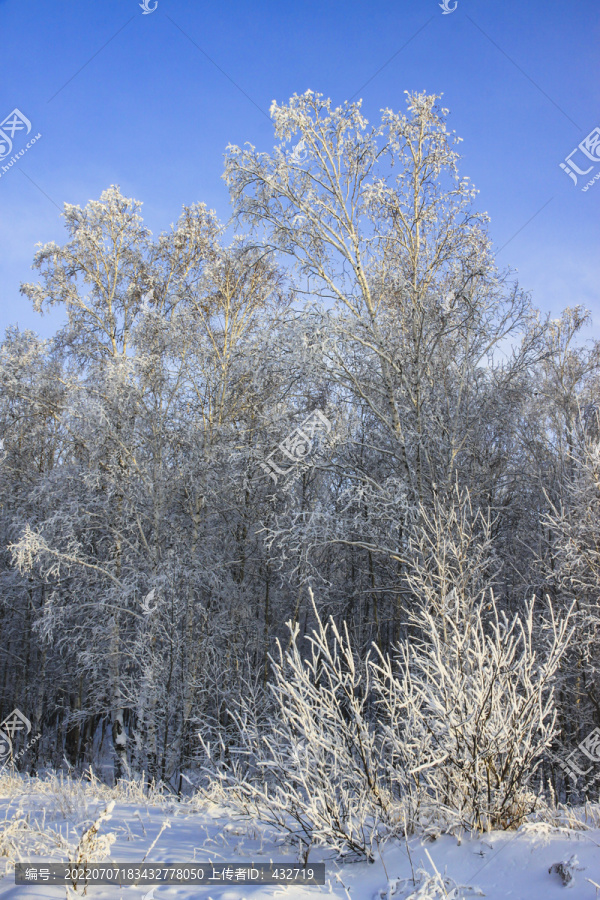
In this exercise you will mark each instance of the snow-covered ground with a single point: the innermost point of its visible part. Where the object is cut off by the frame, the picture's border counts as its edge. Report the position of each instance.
(43, 821)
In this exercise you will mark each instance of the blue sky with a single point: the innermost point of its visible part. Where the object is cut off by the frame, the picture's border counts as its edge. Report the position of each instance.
(149, 102)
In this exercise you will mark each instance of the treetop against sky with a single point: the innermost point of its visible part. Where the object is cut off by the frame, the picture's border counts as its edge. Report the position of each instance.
(149, 95)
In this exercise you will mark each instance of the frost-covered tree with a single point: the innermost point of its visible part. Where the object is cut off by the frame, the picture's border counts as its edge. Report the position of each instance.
(572, 569)
(32, 402)
(381, 228)
(147, 505)
(151, 558)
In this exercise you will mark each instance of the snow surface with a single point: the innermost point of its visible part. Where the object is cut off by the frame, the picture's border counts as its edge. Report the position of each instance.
(499, 865)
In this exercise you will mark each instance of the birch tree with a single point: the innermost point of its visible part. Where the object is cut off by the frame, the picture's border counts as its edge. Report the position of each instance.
(381, 227)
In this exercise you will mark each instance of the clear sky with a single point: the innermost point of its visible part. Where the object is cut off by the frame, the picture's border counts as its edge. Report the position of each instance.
(150, 101)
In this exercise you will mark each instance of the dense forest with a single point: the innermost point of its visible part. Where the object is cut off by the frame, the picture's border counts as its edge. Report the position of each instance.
(311, 510)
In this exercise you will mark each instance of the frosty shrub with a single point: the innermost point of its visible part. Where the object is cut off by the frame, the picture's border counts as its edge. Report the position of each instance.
(451, 731)
(467, 717)
(320, 761)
